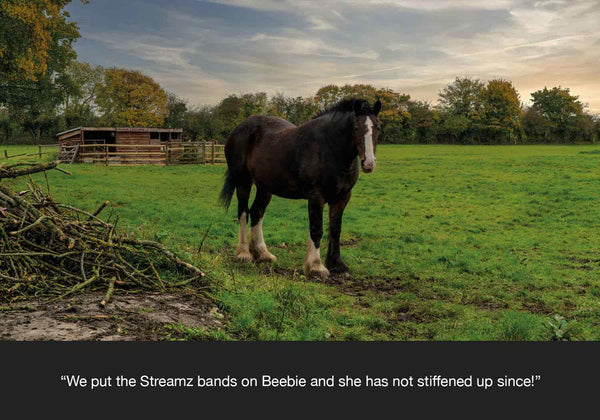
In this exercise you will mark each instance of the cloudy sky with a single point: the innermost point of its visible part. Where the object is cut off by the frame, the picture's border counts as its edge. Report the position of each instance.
(204, 50)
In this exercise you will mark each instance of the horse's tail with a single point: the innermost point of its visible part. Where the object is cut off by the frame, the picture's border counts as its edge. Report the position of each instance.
(227, 190)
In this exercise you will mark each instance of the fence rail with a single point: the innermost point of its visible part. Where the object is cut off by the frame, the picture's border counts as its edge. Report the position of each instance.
(144, 154)
(38, 153)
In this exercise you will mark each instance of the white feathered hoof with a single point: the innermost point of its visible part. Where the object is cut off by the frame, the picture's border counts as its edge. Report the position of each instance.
(316, 270)
(264, 257)
(243, 255)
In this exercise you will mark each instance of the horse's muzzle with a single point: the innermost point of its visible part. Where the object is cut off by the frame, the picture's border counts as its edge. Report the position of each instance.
(367, 166)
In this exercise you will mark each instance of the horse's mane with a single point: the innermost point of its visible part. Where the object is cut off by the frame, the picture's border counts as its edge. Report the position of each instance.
(346, 105)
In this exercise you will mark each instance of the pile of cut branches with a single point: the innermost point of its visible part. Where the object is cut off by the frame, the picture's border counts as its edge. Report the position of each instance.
(53, 249)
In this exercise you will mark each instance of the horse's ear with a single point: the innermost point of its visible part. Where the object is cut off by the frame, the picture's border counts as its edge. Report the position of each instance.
(377, 107)
(358, 105)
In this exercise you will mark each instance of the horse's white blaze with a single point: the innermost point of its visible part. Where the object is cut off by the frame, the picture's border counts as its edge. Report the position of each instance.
(369, 149)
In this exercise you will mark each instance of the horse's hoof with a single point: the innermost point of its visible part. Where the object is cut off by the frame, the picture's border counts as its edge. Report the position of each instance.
(244, 256)
(318, 271)
(337, 267)
(265, 257)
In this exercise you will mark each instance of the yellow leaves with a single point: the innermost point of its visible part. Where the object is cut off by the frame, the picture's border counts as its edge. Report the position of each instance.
(34, 24)
(131, 99)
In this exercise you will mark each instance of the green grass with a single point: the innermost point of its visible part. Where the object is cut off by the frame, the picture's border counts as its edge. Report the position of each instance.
(444, 243)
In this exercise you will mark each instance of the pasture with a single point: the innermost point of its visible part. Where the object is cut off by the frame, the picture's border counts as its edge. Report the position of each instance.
(443, 243)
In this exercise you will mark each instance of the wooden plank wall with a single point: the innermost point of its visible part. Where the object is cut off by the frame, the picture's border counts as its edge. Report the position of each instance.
(137, 155)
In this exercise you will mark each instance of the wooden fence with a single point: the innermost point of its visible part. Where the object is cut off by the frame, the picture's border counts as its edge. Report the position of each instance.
(196, 153)
(144, 154)
(39, 152)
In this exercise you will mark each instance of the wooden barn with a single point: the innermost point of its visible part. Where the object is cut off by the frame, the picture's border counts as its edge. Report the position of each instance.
(120, 145)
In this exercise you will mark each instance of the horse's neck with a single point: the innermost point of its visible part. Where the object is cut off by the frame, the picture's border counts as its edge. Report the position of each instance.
(340, 137)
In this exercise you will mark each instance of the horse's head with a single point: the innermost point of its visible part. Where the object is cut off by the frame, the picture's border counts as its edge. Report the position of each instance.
(366, 129)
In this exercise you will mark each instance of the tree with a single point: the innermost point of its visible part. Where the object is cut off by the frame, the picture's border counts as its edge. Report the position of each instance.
(234, 109)
(455, 127)
(560, 109)
(299, 110)
(253, 104)
(328, 95)
(501, 110)
(278, 104)
(35, 48)
(462, 102)
(422, 121)
(586, 128)
(227, 115)
(199, 124)
(83, 82)
(30, 33)
(463, 97)
(176, 111)
(296, 110)
(131, 99)
(393, 116)
(535, 126)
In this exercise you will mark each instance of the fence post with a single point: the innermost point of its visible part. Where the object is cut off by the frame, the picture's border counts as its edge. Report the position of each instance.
(213, 152)
(40, 150)
(105, 154)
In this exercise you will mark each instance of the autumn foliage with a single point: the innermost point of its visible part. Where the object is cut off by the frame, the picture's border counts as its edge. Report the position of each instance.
(131, 99)
(44, 90)
(31, 30)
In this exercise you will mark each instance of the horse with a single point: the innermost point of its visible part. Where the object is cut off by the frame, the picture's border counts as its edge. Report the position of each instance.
(317, 161)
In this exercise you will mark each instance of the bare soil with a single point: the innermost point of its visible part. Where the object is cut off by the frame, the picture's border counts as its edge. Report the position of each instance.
(127, 317)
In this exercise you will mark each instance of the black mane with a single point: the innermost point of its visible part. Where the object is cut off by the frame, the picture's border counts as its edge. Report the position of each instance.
(346, 105)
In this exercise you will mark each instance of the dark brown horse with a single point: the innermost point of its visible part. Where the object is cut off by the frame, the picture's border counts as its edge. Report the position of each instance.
(315, 161)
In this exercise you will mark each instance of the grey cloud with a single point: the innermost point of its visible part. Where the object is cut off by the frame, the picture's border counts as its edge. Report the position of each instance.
(205, 50)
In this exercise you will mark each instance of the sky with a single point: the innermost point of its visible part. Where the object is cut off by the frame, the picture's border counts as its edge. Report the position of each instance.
(204, 50)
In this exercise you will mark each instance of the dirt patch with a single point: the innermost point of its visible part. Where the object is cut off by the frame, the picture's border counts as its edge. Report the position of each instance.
(350, 242)
(127, 317)
(357, 286)
(485, 302)
(536, 307)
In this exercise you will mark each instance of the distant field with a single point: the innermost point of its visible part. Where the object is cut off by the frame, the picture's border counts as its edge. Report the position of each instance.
(444, 243)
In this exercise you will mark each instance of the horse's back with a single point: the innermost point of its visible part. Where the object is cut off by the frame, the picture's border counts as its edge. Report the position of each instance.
(251, 133)
(258, 125)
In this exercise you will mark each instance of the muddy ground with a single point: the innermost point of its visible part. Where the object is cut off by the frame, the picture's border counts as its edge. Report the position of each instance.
(126, 317)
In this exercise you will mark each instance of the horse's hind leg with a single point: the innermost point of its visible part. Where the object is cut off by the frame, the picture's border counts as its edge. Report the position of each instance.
(258, 248)
(242, 251)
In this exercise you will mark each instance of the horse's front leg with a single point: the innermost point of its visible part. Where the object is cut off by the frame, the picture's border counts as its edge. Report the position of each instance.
(334, 260)
(313, 264)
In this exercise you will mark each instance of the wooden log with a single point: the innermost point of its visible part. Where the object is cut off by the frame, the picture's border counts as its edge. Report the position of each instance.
(16, 172)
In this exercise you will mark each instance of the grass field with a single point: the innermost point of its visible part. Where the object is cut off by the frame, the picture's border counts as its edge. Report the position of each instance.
(444, 243)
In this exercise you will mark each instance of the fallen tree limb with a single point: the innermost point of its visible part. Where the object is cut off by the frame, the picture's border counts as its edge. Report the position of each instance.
(12, 171)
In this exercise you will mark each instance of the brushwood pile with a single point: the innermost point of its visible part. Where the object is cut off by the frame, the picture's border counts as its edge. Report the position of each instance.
(49, 249)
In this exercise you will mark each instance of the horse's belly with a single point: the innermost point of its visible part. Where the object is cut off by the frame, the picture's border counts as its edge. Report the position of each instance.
(281, 186)
(288, 194)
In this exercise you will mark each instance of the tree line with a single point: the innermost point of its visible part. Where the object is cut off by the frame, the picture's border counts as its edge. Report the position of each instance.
(45, 90)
